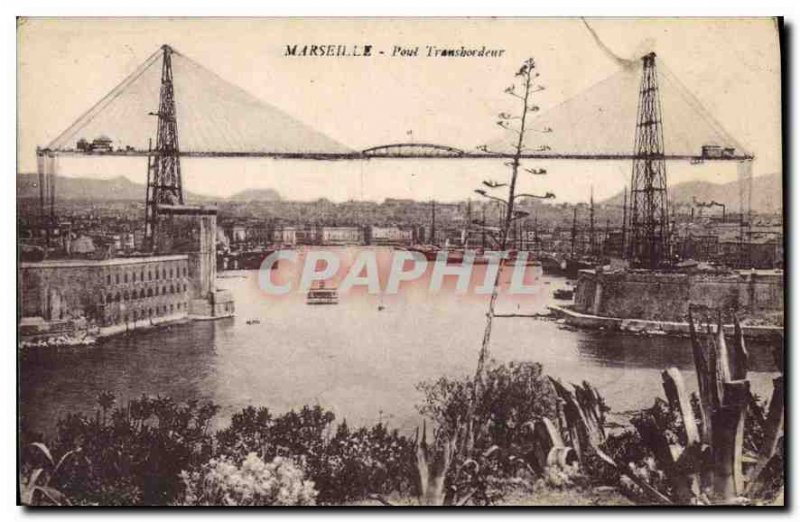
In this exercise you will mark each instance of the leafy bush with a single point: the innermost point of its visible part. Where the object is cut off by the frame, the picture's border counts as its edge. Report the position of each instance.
(221, 482)
(349, 465)
(512, 395)
(154, 451)
(497, 416)
(144, 453)
(132, 455)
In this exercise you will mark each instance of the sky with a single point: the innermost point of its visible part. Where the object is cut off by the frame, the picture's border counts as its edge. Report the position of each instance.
(731, 65)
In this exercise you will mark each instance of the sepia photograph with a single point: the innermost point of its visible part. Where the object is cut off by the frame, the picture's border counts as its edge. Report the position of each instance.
(400, 262)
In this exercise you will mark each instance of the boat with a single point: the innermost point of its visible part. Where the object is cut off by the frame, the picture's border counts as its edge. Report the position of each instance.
(36, 332)
(244, 260)
(564, 294)
(428, 251)
(58, 341)
(457, 256)
(322, 295)
(553, 264)
(573, 265)
(513, 255)
(454, 256)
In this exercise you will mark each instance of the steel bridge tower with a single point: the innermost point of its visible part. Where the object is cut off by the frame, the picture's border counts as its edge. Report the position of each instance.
(163, 163)
(649, 220)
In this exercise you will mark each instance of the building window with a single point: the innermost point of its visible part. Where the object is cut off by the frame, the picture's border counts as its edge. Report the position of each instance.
(149, 275)
(171, 274)
(116, 277)
(125, 277)
(133, 277)
(163, 273)
(108, 279)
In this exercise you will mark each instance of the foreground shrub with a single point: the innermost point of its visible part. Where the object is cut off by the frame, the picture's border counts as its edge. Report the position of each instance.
(488, 430)
(221, 482)
(512, 395)
(349, 465)
(130, 455)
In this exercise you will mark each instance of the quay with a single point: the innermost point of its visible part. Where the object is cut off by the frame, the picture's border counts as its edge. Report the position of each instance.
(658, 302)
(649, 327)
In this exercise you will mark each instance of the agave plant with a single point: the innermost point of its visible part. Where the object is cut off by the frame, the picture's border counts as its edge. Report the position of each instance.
(36, 486)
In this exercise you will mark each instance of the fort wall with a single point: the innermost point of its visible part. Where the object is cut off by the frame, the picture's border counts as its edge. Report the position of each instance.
(756, 296)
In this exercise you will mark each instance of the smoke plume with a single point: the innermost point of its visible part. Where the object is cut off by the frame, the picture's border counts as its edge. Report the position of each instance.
(622, 62)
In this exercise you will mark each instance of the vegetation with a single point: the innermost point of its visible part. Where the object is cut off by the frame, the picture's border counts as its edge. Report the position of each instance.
(490, 439)
(524, 447)
(221, 482)
(154, 451)
(721, 445)
(129, 455)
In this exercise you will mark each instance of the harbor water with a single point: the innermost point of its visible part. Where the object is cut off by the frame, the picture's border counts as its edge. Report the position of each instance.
(361, 358)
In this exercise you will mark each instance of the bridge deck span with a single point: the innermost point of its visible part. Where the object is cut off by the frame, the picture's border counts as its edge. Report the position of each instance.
(323, 156)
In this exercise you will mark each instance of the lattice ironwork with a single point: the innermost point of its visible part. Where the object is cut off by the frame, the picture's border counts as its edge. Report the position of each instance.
(163, 163)
(649, 218)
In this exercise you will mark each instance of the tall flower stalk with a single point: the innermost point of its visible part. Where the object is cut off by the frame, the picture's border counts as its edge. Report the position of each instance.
(518, 125)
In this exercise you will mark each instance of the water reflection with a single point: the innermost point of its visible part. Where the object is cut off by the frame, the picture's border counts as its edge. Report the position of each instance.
(177, 361)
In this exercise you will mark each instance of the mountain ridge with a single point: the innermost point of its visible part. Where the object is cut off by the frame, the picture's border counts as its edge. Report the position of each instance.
(767, 194)
(120, 188)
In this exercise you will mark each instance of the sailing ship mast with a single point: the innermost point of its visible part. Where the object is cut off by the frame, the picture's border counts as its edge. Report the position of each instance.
(433, 222)
(592, 242)
(574, 229)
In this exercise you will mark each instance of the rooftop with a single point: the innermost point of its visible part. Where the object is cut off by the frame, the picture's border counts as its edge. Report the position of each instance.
(117, 261)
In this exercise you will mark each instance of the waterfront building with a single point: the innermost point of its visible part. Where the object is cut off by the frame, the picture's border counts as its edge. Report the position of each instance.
(192, 231)
(389, 235)
(342, 235)
(82, 245)
(285, 235)
(112, 295)
(238, 234)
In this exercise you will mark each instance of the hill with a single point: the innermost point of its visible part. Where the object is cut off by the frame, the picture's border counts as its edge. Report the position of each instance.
(120, 189)
(74, 188)
(255, 195)
(767, 195)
